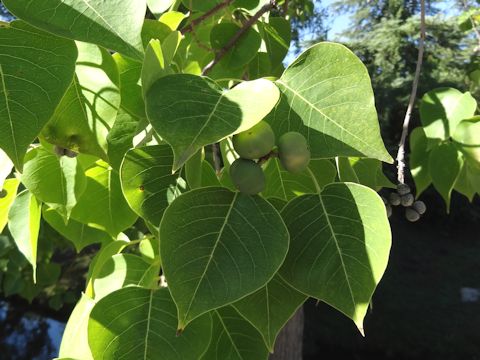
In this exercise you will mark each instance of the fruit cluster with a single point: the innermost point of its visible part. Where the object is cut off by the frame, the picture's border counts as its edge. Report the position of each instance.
(403, 196)
(257, 144)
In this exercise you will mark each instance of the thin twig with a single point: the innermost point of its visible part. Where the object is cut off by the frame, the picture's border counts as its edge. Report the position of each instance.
(206, 16)
(413, 95)
(474, 24)
(248, 24)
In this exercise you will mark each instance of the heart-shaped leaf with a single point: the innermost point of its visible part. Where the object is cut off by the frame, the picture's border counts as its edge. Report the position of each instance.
(124, 270)
(148, 183)
(234, 338)
(445, 164)
(134, 323)
(129, 71)
(158, 7)
(340, 243)
(442, 109)
(24, 225)
(89, 108)
(101, 22)
(56, 181)
(81, 235)
(213, 236)
(467, 137)
(270, 308)
(419, 155)
(328, 97)
(103, 205)
(33, 81)
(190, 112)
(75, 337)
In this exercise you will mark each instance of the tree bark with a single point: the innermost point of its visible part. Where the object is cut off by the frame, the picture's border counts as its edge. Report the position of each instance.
(289, 344)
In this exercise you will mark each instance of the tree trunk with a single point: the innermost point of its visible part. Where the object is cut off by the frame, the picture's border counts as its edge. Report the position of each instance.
(289, 344)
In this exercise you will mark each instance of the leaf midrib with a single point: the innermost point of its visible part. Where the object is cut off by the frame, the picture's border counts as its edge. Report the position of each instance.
(334, 237)
(4, 87)
(312, 106)
(217, 241)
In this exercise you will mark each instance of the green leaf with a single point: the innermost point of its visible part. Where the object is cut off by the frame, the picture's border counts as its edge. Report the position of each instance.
(340, 243)
(209, 177)
(234, 338)
(89, 108)
(442, 109)
(190, 112)
(129, 72)
(445, 163)
(75, 337)
(213, 236)
(277, 34)
(10, 186)
(101, 22)
(270, 308)
(260, 66)
(328, 97)
(148, 183)
(324, 171)
(120, 138)
(154, 65)
(284, 185)
(193, 170)
(467, 138)
(81, 235)
(139, 323)
(56, 181)
(369, 173)
(123, 270)
(24, 225)
(6, 167)
(96, 266)
(34, 79)
(158, 7)
(463, 184)
(244, 49)
(149, 248)
(419, 155)
(103, 205)
(345, 170)
(200, 5)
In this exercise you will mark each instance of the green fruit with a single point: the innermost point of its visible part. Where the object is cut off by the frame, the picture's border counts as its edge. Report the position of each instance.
(255, 142)
(247, 176)
(420, 207)
(407, 200)
(412, 215)
(293, 152)
(395, 199)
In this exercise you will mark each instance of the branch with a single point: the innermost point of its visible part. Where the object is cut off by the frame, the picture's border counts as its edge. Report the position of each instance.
(205, 16)
(413, 95)
(223, 51)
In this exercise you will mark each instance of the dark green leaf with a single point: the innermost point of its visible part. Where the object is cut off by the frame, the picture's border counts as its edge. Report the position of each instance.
(34, 79)
(340, 243)
(135, 323)
(213, 236)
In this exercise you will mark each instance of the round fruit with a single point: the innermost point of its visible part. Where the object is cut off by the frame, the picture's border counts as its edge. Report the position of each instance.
(293, 152)
(247, 176)
(412, 215)
(407, 200)
(255, 142)
(395, 199)
(420, 207)
(403, 189)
